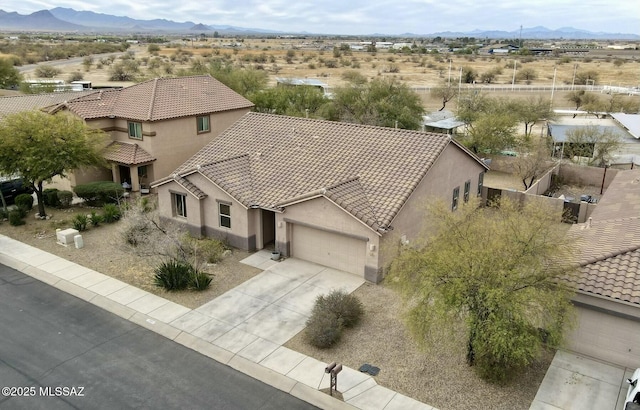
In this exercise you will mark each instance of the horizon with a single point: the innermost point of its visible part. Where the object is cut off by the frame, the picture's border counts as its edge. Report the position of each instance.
(381, 17)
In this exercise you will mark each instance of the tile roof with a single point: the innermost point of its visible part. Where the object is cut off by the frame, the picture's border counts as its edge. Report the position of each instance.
(269, 161)
(160, 99)
(127, 153)
(19, 103)
(189, 186)
(608, 246)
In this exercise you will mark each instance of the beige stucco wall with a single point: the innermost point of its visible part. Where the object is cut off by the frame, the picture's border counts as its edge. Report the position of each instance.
(202, 214)
(321, 213)
(452, 169)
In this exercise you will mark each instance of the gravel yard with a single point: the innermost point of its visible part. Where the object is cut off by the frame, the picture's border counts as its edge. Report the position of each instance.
(438, 376)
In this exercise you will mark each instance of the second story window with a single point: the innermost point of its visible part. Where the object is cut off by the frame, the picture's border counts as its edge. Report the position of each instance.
(203, 124)
(135, 130)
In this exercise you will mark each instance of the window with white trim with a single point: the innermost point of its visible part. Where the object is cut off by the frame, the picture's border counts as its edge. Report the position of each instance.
(135, 130)
(456, 196)
(224, 212)
(179, 205)
(204, 124)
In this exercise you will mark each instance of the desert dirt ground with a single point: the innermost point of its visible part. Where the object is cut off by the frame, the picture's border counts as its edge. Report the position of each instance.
(438, 376)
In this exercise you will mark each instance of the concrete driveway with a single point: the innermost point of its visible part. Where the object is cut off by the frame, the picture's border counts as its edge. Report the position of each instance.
(575, 382)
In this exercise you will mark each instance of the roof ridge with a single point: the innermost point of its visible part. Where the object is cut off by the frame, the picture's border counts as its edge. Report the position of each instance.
(152, 100)
(350, 204)
(609, 255)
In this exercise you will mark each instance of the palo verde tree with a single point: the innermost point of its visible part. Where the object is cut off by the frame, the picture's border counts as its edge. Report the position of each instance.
(383, 102)
(446, 91)
(506, 293)
(296, 101)
(9, 75)
(531, 110)
(39, 146)
(532, 161)
(591, 144)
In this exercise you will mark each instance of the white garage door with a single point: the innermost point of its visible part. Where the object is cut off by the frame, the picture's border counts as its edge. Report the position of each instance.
(328, 249)
(606, 337)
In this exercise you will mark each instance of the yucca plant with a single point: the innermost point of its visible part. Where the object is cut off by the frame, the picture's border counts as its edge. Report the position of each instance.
(174, 275)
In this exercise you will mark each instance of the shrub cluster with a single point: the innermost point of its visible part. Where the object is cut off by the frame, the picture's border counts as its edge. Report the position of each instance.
(179, 275)
(331, 314)
(99, 192)
(54, 198)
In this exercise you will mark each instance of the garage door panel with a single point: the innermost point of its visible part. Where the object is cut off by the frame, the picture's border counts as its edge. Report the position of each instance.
(329, 249)
(606, 337)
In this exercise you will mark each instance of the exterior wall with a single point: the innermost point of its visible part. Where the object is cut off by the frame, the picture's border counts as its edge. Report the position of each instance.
(79, 177)
(173, 141)
(202, 214)
(320, 213)
(590, 176)
(452, 169)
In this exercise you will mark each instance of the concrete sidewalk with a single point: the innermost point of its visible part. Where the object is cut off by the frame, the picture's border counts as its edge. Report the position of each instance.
(243, 328)
(575, 382)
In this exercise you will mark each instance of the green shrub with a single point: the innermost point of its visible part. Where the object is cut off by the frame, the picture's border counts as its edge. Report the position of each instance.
(173, 275)
(24, 201)
(344, 306)
(64, 198)
(99, 192)
(200, 280)
(323, 329)
(111, 213)
(3, 214)
(16, 218)
(80, 222)
(50, 197)
(95, 219)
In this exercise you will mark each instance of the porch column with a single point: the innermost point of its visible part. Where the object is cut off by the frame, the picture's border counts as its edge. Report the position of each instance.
(135, 181)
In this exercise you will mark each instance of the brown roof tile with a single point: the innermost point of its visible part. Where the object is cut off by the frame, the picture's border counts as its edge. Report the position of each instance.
(160, 99)
(608, 246)
(189, 186)
(268, 160)
(127, 153)
(20, 103)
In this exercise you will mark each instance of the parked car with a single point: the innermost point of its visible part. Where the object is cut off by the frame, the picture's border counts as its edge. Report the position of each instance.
(632, 401)
(12, 187)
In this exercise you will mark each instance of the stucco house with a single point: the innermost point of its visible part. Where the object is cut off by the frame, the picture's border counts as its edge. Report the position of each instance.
(608, 283)
(338, 194)
(155, 125)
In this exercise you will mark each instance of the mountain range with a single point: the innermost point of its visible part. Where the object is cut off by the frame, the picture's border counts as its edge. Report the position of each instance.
(61, 19)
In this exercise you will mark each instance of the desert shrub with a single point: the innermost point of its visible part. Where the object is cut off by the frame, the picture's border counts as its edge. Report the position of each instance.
(16, 217)
(24, 201)
(323, 329)
(3, 214)
(173, 275)
(64, 198)
(50, 197)
(344, 306)
(208, 250)
(95, 218)
(137, 231)
(80, 222)
(200, 280)
(110, 213)
(99, 192)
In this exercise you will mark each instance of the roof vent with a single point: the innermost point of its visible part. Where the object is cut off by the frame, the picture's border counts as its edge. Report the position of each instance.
(589, 221)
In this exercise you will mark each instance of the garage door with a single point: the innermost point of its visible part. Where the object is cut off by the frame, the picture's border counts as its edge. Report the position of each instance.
(328, 248)
(606, 337)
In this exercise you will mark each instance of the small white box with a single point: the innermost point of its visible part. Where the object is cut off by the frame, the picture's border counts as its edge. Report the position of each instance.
(78, 241)
(65, 237)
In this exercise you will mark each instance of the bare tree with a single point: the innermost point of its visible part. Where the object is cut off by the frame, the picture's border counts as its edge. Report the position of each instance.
(446, 92)
(596, 144)
(531, 162)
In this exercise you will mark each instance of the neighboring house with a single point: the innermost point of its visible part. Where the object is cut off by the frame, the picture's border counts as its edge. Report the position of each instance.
(155, 125)
(338, 194)
(608, 282)
(20, 103)
(444, 122)
(625, 126)
(309, 82)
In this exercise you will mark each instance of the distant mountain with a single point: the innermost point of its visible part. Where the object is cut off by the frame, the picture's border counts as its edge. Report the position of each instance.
(66, 19)
(40, 20)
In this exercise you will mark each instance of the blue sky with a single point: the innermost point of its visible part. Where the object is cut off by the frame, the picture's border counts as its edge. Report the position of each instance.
(368, 16)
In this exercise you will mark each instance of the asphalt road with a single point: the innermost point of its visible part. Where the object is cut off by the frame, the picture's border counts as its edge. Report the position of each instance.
(68, 354)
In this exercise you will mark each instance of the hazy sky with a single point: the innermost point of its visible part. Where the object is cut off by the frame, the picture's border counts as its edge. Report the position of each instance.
(368, 16)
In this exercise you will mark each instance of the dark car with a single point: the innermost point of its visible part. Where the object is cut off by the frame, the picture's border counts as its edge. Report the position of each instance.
(12, 187)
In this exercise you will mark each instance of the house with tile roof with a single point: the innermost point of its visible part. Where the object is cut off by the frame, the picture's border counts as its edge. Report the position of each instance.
(155, 125)
(338, 194)
(608, 281)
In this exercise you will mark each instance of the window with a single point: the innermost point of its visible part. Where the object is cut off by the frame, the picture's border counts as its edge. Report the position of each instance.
(142, 172)
(467, 188)
(456, 195)
(203, 124)
(135, 130)
(480, 182)
(225, 215)
(179, 205)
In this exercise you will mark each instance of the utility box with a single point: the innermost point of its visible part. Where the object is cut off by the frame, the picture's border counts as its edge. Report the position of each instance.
(78, 241)
(65, 236)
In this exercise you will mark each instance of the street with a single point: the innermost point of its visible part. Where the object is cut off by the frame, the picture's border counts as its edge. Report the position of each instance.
(65, 353)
